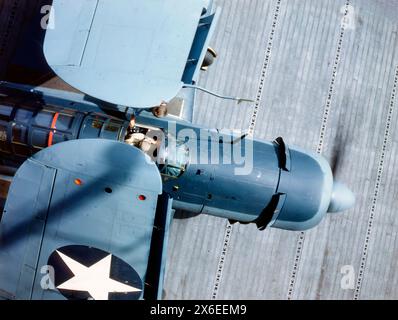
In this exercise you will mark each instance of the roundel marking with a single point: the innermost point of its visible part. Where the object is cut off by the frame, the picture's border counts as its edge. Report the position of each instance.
(82, 272)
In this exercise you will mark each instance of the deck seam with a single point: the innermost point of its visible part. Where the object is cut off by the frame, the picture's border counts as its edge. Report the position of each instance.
(319, 149)
(229, 227)
(376, 192)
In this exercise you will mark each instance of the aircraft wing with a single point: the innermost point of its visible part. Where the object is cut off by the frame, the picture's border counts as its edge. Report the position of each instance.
(128, 52)
(85, 219)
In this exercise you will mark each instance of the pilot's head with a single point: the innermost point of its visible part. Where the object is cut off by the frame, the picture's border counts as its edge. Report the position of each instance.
(132, 121)
(160, 111)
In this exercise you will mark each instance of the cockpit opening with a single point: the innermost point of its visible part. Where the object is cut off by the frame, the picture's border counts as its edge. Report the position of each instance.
(170, 154)
(176, 159)
(148, 139)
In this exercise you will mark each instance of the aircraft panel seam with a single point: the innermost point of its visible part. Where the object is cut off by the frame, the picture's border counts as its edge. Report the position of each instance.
(44, 229)
(325, 118)
(89, 34)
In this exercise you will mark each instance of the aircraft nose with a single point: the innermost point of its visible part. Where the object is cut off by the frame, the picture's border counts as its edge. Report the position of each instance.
(342, 198)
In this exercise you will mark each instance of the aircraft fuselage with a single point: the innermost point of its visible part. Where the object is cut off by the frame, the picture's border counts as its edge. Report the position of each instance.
(222, 173)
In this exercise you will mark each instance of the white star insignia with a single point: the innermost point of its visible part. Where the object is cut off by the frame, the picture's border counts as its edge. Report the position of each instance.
(95, 279)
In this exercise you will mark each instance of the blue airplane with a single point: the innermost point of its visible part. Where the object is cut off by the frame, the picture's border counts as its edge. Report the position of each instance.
(97, 174)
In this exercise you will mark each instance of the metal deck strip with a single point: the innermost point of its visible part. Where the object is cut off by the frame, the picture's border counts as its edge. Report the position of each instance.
(217, 281)
(229, 227)
(264, 68)
(326, 112)
(361, 98)
(376, 189)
